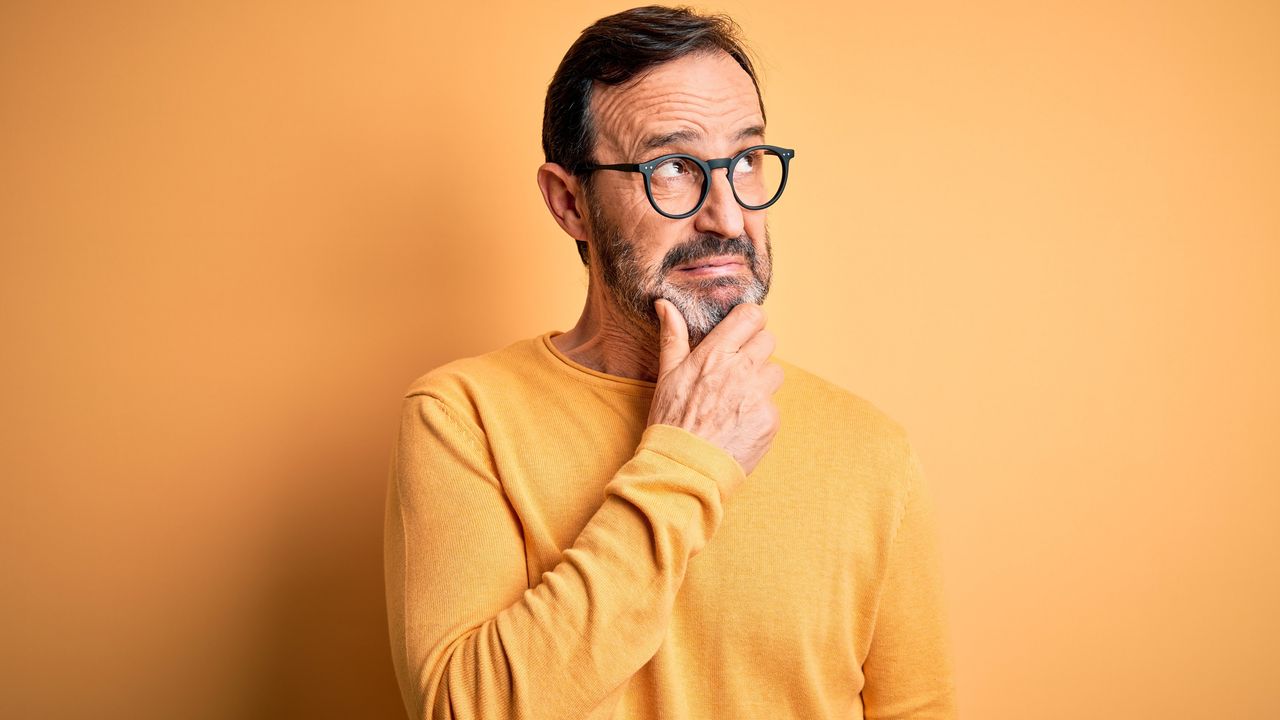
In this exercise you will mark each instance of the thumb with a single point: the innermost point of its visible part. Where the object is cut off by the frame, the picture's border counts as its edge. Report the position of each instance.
(673, 336)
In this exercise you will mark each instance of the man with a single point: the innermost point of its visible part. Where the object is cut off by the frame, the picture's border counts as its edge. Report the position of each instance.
(646, 516)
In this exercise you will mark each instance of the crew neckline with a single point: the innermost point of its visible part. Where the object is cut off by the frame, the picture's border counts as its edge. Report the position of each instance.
(632, 386)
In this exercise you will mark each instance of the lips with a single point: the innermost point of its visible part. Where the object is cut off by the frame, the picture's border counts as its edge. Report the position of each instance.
(711, 262)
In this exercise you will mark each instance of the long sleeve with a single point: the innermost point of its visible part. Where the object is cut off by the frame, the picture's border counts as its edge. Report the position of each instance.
(472, 636)
(908, 670)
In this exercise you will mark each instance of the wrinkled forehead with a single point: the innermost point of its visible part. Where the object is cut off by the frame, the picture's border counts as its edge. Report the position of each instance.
(705, 99)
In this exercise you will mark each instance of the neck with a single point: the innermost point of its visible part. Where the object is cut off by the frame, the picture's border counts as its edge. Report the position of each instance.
(608, 341)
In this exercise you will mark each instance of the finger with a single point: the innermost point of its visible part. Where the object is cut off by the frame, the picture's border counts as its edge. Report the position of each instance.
(742, 322)
(774, 376)
(759, 347)
(673, 336)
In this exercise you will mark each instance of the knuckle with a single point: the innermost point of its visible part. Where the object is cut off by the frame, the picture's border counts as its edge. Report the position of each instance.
(710, 382)
(713, 359)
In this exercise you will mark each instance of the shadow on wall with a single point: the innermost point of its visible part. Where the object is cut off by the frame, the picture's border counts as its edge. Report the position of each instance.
(323, 649)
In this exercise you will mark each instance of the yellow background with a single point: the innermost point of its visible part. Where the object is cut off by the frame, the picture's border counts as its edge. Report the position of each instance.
(1043, 236)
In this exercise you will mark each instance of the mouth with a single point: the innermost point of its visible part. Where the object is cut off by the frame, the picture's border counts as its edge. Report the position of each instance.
(717, 265)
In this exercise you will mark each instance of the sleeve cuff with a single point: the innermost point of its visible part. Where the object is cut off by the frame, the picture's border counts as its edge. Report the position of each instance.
(696, 453)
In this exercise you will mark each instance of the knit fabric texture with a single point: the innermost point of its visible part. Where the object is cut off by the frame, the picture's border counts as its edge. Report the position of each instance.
(549, 555)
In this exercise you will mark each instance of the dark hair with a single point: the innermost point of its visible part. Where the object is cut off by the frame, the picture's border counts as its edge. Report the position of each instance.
(614, 50)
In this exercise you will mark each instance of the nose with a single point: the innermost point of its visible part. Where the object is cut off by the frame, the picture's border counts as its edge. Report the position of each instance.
(720, 214)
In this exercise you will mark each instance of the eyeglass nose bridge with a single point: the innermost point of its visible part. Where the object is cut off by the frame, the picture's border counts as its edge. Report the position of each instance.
(727, 164)
(718, 163)
(728, 175)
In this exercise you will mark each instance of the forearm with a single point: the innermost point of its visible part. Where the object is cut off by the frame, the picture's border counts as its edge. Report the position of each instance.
(564, 646)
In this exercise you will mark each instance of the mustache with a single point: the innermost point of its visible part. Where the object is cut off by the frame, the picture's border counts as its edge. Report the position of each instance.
(705, 246)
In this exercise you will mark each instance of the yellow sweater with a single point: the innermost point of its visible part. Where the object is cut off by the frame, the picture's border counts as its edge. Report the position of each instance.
(548, 556)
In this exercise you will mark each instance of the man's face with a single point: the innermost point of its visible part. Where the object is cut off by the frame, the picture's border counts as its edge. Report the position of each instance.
(640, 255)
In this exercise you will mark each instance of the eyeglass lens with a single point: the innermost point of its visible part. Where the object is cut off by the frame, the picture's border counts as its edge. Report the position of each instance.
(677, 183)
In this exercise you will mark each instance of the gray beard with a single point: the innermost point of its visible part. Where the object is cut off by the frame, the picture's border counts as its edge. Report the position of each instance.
(634, 287)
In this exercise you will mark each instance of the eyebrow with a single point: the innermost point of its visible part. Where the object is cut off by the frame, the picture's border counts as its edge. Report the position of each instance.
(653, 142)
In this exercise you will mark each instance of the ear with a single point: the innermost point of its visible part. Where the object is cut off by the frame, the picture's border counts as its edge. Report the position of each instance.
(565, 199)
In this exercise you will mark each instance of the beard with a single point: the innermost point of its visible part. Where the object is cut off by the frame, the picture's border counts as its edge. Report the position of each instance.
(703, 302)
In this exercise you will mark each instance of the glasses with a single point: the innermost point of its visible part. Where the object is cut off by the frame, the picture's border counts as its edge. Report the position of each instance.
(677, 184)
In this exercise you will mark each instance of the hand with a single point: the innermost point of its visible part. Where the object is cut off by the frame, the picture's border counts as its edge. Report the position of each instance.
(723, 390)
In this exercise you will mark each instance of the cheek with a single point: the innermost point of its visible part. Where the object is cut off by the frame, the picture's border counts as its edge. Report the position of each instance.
(651, 237)
(755, 229)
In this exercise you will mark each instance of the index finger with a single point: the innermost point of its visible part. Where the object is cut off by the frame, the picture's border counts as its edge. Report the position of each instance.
(739, 326)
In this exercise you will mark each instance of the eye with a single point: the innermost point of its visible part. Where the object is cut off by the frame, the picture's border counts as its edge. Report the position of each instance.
(673, 168)
(748, 163)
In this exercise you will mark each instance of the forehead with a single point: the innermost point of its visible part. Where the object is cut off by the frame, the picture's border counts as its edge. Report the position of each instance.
(706, 93)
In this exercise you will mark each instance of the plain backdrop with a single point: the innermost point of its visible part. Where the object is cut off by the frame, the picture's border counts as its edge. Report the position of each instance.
(1044, 237)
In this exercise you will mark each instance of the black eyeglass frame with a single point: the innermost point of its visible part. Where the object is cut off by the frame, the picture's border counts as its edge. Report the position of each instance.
(646, 169)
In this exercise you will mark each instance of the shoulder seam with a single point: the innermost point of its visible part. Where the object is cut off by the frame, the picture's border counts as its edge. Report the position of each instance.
(907, 496)
(912, 484)
(475, 439)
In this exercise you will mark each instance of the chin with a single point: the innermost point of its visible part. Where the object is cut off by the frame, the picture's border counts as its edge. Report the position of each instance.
(707, 303)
